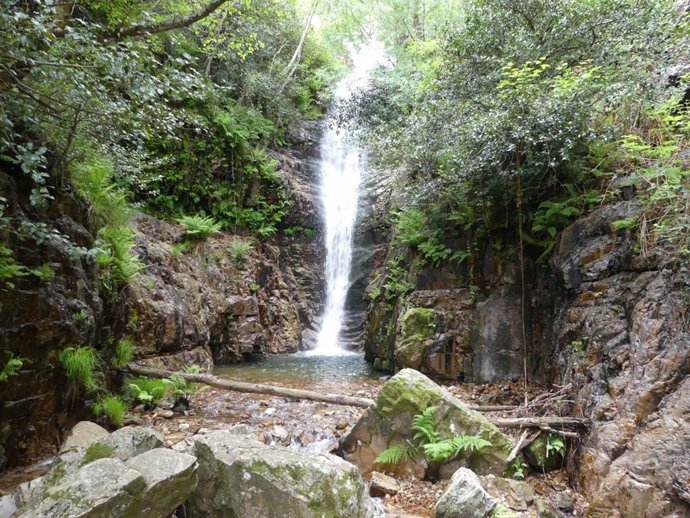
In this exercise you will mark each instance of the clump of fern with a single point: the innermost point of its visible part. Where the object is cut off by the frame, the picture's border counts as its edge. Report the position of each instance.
(427, 438)
(80, 365)
(124, 352)
(199, 228)
(112, 407)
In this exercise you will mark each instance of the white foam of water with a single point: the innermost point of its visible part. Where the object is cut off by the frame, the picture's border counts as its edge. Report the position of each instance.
(341, 173)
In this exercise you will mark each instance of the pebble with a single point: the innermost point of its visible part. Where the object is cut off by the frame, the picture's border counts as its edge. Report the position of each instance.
(270, 411)
(184, 427)
(342, 424)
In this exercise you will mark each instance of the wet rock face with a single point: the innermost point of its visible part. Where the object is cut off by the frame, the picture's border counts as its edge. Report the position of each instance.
(622, 342)
(475, 336)
(39, 317)
(388, 423)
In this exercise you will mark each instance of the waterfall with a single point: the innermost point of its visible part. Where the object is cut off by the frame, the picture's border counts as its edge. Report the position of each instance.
(340, 169)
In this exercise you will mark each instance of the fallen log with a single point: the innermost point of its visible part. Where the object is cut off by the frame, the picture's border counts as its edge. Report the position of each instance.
(253, 388)
(555, 423)
(540, 422)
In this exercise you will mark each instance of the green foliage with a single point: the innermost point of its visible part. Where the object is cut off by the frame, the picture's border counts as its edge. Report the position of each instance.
(238, 249)
(80, 365)
(112, 407)
(9, 268)
(427, 436)
(147, 391)
(516, 469)
(178, 386)
(93, 178)
(446, 449)
(411, 228)
(118, 263)
(97, 451)
(199, 228)
(555, 445)
(79, 317)
(44, 272)
(625, 224)
(424, 426)
(504, 124)
(393, 455)
(11, 367)
(192, 369)
(124, 352)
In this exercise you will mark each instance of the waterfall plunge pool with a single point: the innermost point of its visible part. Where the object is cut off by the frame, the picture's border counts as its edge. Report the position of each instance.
(343, 374)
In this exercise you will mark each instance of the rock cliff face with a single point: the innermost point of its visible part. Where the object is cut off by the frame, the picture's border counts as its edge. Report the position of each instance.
(40, 317)
(601, 317)
(205, 305)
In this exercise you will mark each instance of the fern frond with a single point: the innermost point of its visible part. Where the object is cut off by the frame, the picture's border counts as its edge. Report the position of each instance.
(425, 426)
(446, 449)
(439, 451)
(393, 455)
(469, 443)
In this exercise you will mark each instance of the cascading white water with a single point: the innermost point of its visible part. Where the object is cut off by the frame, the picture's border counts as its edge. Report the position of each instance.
(340, 170)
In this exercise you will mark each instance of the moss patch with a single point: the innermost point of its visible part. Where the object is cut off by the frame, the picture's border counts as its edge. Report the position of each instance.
(97, 451)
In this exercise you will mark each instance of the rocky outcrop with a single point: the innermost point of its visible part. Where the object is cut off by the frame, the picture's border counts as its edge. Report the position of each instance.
(472, 334)
(622, 342)
(605, 316)
(240, 476)
(209, 303)
(388, 423)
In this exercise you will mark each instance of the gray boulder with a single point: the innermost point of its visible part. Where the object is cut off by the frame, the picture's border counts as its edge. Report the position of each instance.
(170, 477)
(464, 498)
(388, 421)
(131, 441)
(104, 487)
(242, 477)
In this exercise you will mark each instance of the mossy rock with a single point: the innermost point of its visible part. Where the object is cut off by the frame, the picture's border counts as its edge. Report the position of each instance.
(388, 422)
(536, 457)
(416, 325)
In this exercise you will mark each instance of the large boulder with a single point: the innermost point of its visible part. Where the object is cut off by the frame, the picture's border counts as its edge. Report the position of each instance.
(464, 498)
(131, 441)
(78, 479)
(242, 477)
(388, 423)
(170, 477)
(104, 487)
(152, 484)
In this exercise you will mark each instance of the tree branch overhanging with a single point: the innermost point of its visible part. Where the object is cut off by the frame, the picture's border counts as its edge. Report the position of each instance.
(179, 22)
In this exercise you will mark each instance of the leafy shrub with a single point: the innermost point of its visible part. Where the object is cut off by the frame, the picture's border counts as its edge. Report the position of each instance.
(120, 266)
(124, 352)
(147, 391)
(44, 272)
(198, 227)
(238, 249)
(411, 228)
(11, 367)
(427, 438)
(9, 269)
(555, 445)
(80, 365)
(113, 407)
(192, 369)
(93, 178)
